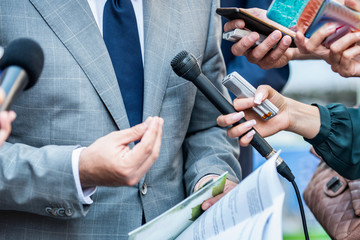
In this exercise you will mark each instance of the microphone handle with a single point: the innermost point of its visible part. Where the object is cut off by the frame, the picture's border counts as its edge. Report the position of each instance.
(225, 107)
(13, 80)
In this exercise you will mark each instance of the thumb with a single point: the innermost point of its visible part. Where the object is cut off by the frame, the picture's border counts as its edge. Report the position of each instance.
(134, 133)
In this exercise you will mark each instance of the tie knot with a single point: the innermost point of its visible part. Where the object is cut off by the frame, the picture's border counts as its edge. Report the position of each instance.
(121, 4)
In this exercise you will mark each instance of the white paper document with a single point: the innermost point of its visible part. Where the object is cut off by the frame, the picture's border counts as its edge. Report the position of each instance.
(252, 210)
(172, 222)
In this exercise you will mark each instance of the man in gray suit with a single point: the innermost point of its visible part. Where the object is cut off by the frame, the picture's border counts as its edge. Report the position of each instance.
(47, 178)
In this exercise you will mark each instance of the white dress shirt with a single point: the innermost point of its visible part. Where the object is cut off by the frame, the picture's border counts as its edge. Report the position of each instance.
(97, 8)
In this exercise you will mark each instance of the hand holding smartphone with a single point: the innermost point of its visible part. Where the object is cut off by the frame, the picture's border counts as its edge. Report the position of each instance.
(255, 20)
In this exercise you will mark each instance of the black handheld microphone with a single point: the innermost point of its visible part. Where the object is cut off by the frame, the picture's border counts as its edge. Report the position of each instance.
(22, 63)
(186, 66)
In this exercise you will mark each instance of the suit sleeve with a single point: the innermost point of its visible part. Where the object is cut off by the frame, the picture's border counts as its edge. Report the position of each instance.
(207, 149)
(39, 180)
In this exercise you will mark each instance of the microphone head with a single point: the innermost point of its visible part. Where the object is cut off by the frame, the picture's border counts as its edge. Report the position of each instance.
(186, 65)
(28, 55)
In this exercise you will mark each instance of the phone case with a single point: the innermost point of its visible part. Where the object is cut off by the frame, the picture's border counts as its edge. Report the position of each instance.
(257, 23)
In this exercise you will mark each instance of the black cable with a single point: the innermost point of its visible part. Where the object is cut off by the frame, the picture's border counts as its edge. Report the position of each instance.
(302, 212)
(284, 170)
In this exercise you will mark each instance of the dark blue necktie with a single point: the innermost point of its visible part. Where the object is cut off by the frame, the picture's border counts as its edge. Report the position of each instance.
(122, 41)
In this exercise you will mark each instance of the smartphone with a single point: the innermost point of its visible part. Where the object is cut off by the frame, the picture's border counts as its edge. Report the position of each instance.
(261, 25)
(242, 88)
(237, 34)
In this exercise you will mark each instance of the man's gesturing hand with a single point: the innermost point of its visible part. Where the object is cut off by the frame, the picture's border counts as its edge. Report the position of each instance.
(110, 162)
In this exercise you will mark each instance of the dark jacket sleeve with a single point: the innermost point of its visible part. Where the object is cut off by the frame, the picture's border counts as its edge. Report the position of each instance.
(338, 141)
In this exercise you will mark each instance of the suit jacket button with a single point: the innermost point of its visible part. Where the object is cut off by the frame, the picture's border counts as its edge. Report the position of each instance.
(69, 212)
(48, 210)
(61, 212)
(54, 211)
(144, 189)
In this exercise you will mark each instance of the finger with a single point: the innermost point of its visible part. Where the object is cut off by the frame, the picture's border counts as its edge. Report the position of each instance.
(241, 104)
(157, 145)
(319, 36)
(246, 43)
(229, 119)
(347, 63)
(240, 129)
(245, 140)
(147, 164)
(12, 116)
(338, 47)
(300, 42)
(267, 45)
(211, 201)
(345, 42)
(132, 134)
(231, 25)
(123, 149)
(262, 93)
(144, 148)
(274, 55)
(5, 123)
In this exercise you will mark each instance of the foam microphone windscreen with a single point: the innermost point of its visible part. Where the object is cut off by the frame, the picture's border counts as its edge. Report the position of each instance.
(27, 54)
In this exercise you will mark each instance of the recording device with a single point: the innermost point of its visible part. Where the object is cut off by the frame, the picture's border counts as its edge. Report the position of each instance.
(237, 34)
(242, 88)
(22, 64)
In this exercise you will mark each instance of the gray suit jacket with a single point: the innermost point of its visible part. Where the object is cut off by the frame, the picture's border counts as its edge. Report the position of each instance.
(77, 100)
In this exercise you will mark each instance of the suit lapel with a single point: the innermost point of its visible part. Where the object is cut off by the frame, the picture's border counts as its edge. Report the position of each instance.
(73, 23)
(160, 34)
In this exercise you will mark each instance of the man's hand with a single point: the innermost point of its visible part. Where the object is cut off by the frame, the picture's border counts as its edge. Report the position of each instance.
(293, 116)
(211, 201)
(110, 162)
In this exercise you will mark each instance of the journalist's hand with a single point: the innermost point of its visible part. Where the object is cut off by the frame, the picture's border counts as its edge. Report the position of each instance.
(264, 55)
(110, 162)
(265, 128)
(293, 116)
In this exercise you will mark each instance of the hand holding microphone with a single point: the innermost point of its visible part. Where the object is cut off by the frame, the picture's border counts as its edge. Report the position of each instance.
(21, 62)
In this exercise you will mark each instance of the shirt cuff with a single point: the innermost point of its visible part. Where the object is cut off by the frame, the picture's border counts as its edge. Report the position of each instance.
(202, 181)
(86, 193)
